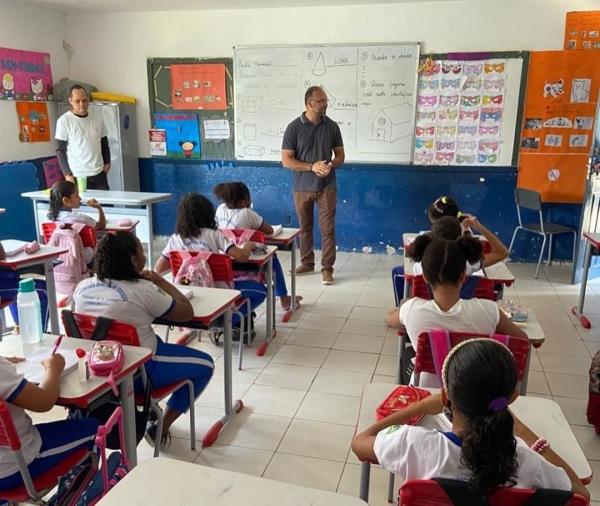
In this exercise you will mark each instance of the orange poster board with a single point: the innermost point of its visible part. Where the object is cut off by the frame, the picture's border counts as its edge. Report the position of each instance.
(558, 123)
(198, 86)
(34, 125)
(582, 30)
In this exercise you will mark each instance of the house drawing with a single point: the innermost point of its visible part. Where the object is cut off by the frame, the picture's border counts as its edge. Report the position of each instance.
(392, 123)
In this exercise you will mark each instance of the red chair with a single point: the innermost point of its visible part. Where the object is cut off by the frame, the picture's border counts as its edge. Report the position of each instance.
(82, 326)
(222, 271)
(430, 493)
(32, 489)
(88, 234)
(257, 235)
(485, 289)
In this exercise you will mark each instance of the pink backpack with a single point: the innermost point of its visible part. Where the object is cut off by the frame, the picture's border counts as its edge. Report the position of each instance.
(194, 270)
(239, 241)
(72, 268)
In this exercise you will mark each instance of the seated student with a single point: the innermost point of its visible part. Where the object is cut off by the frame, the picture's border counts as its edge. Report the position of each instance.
(488, 446)
(440, 208)
(196, 230)
(123, 291)
(64, 200)
(235, 212)
(443, 264)
(46, 444)
(9, 288)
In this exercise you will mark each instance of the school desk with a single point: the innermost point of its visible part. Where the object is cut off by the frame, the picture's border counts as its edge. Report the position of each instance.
(177, 483)
(115, 226)
(210, 304)
(44, 256)
(116, 204)
(592, 247)
(543, 416)
(78, 394)
(287, 240)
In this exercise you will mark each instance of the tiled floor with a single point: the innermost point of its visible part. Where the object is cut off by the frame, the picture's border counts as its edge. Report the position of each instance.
(302, 398)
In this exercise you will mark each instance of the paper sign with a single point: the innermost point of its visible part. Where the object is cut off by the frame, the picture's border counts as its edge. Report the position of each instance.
(198, 86)
(34, 125)
(25, 75)
(216, 129)
(52, 172)
(158, 141)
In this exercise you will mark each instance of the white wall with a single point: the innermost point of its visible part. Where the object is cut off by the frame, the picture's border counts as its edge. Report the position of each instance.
(31, 29)
(111, 49)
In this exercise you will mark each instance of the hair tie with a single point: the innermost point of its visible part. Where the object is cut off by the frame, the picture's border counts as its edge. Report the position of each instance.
(498, 404)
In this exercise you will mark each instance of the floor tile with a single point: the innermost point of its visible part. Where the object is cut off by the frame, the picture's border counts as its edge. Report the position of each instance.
(317, 439)
(588, 440)
(331, 408)
(361, 343)
(367, 313)
(255, 430)
(300, 355)
(235, 458)
(287, 376)
(306, 471)
(387, 364)
(330, 309)
(366, 327)
(350, 483)
(351, 361)
(566, 385)
(340, 382)
(273, 400)
(537, 383)
(310, 337)
(573, 409)
(565, 364)
(214, 394)
(321, 323)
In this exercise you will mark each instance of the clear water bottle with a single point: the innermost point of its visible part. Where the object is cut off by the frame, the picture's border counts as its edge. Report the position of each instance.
(30, 313)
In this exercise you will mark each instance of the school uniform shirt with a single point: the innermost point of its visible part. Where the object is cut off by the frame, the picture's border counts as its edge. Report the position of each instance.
(238, 218)
(208, 240)
(137, 303)
(11, 385)
(415, 452)
(65, 216)
(82, 134)
(467, 315)
(470, 268)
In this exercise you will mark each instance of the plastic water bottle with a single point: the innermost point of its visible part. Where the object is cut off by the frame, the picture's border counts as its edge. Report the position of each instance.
(30, 313)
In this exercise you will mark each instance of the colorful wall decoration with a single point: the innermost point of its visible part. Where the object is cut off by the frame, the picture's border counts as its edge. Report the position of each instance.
(582, 30)
(34, 124)
(25, 75)
(182, 133)
(198, 86)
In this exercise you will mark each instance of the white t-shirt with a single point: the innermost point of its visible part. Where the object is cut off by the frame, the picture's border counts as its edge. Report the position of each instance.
(83, 142)
(65, 216)
(208, 240)
(11, 385)
(415, 452)
(238, 218)
(470, 268)
(467, 315)
(135, 302)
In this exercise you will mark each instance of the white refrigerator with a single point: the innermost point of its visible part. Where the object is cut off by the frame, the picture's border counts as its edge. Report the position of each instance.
(122, 138)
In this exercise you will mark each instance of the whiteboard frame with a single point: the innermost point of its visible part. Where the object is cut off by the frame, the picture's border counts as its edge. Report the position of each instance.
(416, 45)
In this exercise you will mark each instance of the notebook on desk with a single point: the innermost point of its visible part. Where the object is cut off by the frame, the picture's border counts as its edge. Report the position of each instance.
(12, 247)
(32, 368)
(277, 229)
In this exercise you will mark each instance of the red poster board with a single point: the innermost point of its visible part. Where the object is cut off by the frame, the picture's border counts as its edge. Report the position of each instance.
(582, 30)
(198, 86)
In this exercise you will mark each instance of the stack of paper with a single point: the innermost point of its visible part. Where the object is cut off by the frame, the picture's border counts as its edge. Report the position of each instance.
(32, 368)
(277, 229)
(12, 247)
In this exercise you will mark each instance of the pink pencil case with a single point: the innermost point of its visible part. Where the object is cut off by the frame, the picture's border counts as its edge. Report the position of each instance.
(106, 357)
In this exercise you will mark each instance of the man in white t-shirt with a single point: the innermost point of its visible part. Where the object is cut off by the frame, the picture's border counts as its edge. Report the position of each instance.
(83, 149)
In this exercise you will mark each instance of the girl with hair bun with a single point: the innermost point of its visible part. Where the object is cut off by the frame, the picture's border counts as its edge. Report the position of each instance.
(488, 446)
(444, 269)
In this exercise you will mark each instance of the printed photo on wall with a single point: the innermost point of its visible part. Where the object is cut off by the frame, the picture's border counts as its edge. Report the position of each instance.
(533, 123)
(558, 122)
(578, 141)
(554, 89)
(580, 90)
(530, 142)
(584, 122)
(553, 141)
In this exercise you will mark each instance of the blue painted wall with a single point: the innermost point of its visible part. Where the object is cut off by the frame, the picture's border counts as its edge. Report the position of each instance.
(376, 203)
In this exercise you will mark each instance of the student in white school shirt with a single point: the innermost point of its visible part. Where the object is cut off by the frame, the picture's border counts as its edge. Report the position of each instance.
(443, 264)
(43, 445)
(488, 447)
(235, 212)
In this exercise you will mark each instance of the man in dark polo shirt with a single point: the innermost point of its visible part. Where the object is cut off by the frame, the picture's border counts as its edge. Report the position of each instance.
(313, 148)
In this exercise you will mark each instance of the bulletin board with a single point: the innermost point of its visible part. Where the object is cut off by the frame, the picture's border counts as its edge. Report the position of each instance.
(582, 30)
(183, 89)
(469, 107)
(558, 123)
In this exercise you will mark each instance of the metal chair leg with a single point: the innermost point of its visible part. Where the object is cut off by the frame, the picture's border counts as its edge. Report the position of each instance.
(159, 415)
(390, 494)
(550, 249)
(190, 386)
(512, 241)
(242, 337)
(537, 271)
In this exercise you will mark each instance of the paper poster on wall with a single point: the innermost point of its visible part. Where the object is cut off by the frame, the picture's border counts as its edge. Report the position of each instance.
(582, 30)
(52, 171)
(158, 141)
(198, 86)
(216, 129)
(34, 125)
(25, 75)
(183, 133)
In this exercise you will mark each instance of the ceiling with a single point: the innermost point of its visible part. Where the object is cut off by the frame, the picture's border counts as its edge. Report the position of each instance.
(73, 6)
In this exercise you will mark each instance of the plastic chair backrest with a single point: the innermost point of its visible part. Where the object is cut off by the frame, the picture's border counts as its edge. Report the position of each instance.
(119, 331)
(528, 199)
(9, 437)
(220, 265)
(485, 289)
(257, 235)
(87, 234)
(429, 493)
(424, 361)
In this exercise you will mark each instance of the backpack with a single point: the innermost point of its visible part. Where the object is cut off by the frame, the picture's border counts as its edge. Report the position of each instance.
(593, 406)
(249, 274)
(194, 270)
(72, 268)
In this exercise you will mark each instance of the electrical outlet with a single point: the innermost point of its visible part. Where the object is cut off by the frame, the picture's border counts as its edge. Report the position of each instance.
(287, 219)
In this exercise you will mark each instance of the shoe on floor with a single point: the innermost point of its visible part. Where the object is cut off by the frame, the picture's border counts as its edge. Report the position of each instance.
(304, 269)
(327, 277)
(150, 436)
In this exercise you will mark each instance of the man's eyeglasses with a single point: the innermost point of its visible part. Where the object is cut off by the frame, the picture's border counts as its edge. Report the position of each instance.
(324, 101)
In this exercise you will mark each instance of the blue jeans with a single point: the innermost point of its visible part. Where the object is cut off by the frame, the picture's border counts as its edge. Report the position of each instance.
(59, 440)
(253, 290)
(9, 287)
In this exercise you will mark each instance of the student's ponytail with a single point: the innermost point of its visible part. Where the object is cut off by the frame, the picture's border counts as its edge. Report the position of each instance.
(471, 247)
(58, 191)
(480, 377)
(222, 191)
(416, 249)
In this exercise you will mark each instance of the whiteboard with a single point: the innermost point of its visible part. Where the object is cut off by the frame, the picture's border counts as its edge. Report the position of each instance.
(371, 91)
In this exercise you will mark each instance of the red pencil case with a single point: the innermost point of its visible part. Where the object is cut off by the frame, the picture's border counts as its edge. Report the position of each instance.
(401, 397)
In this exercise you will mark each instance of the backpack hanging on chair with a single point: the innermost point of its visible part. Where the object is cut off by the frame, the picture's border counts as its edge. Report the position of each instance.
(194, 270)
